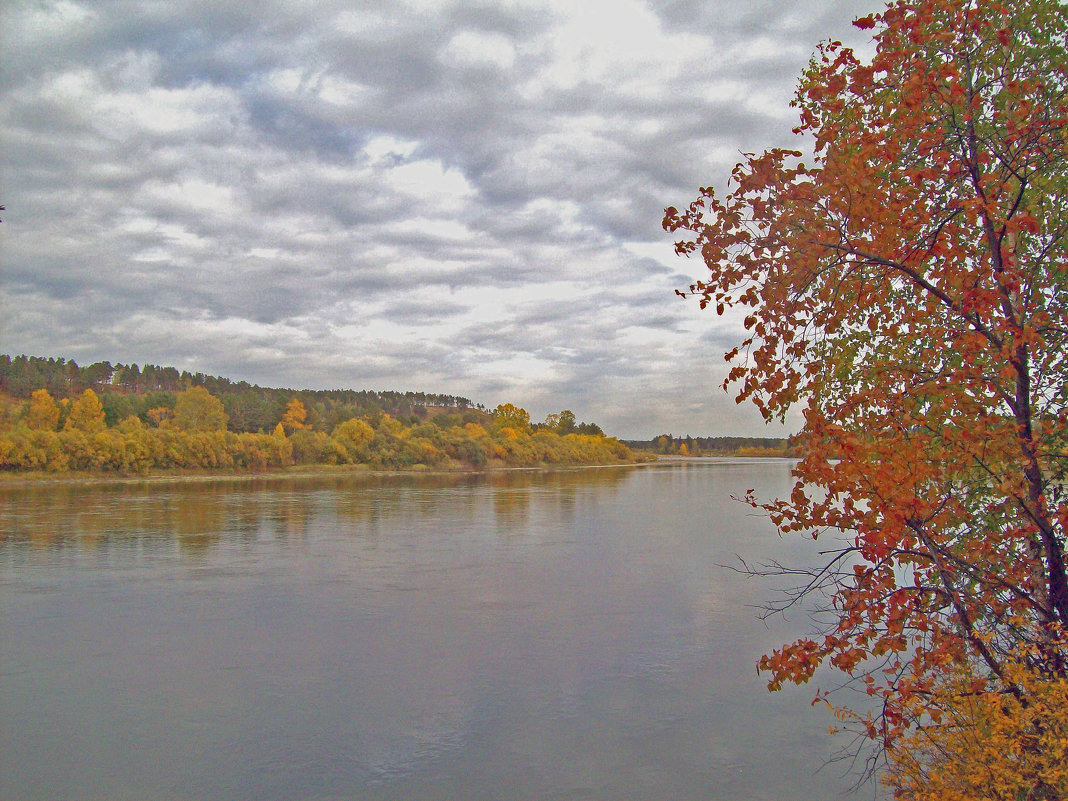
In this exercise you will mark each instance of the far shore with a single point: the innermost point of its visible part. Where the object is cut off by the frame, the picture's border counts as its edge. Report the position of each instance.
(42, 478)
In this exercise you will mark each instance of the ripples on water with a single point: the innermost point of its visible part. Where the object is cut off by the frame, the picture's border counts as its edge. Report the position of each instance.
(521, 635)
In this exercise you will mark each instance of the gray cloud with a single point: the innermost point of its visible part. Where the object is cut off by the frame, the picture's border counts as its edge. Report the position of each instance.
(460, 197)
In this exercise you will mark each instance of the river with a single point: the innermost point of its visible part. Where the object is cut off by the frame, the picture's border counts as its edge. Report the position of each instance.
(565, 634)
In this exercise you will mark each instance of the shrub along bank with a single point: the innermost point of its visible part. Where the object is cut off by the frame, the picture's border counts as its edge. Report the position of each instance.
(41, 434)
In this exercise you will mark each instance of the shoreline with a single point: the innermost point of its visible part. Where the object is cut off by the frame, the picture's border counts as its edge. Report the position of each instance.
(41, 478)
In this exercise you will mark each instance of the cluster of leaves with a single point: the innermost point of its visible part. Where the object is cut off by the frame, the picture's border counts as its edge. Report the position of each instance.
(906, 290)
(975, 744)
(41, 434)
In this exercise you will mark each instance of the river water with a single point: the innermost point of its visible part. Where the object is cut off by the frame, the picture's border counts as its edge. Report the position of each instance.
(517, 635)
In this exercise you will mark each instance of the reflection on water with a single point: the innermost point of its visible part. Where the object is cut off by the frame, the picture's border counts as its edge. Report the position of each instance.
(562, 634)
(79, 515)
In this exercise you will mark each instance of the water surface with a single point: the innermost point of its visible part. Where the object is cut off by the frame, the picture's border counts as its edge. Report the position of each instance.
(520, 635)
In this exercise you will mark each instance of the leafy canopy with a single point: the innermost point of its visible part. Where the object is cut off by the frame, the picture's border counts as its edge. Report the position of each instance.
(905, 290)
(196, 409)
(43, 413)
(86, 414)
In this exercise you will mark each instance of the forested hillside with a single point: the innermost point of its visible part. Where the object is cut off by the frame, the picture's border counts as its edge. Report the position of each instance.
(129, 389)
(56, 416)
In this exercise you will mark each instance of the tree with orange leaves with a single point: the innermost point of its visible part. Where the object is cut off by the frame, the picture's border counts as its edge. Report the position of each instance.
(294, 416)
(979, 744)
(906, 290)
(42, 413)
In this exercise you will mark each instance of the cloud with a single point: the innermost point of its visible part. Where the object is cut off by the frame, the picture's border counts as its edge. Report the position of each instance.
(461, 197)
(475, 50)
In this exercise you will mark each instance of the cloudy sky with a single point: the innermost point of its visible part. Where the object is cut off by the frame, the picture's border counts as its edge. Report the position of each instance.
(458, 196)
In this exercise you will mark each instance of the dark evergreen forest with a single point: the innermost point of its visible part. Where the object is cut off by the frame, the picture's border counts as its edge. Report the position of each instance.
(130, 389)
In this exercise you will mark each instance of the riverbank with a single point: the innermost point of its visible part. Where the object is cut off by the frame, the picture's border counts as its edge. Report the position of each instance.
(43, 478)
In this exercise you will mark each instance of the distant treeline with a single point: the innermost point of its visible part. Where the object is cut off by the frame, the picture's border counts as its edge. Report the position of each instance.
(99, 419)
(129, 389)
(669, 444)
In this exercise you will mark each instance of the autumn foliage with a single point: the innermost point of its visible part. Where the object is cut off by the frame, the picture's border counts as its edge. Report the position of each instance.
(976, 744)
(904, 288)
(43, 435)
